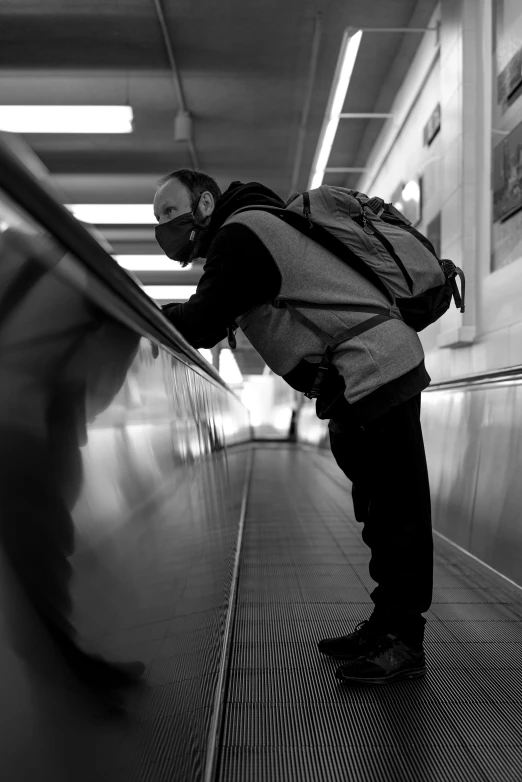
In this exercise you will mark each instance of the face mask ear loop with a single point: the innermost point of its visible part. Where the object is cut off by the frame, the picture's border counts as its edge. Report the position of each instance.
(193, 232)
(196, 208)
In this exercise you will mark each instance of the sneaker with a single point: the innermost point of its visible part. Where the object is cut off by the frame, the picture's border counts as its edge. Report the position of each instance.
(353, 645)
(390, 660)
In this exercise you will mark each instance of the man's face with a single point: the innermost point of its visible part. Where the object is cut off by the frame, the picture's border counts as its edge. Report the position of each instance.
(171, 200)
(184, 238)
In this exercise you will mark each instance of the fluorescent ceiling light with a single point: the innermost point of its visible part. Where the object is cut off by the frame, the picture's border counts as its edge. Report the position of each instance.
(170, 292)
(343, 74)
(66, 119)
(149, 263)
(114, 214)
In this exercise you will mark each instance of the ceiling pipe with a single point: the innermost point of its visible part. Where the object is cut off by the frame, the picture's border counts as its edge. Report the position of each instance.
(316, 41)
(182, 106)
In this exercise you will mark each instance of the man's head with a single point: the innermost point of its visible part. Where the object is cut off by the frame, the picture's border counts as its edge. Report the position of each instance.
(183, 205)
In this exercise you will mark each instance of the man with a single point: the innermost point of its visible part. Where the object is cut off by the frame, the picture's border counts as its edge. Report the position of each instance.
(254, 262)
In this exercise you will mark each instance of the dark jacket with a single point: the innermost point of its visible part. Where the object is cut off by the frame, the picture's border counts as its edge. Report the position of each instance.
(240, 274)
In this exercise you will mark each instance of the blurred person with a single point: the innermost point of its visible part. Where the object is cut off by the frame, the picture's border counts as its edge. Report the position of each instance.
(297, 404)
(255, 258)
(62, 361)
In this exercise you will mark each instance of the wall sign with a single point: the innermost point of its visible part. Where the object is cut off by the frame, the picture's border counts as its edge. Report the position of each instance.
(432, 127)
(507, 175)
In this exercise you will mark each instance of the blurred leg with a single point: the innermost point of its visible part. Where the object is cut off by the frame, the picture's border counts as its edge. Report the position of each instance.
(36, 529)
(37, 536)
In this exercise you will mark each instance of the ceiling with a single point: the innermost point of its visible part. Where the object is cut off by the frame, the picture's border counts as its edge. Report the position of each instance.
(244, 69)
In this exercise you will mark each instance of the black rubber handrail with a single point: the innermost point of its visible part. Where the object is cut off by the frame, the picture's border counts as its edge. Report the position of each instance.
(479, 379)
(24, 188)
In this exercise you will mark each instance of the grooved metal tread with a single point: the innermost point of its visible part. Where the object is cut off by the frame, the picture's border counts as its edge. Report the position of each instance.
(303, 576)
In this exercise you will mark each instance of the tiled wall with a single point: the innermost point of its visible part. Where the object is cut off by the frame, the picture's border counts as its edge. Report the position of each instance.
(507, 41)
(474, 451)
(456, 171)
(123, 470)
(470, 431)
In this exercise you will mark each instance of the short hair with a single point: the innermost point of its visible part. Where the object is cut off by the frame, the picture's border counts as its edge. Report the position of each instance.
(196, 183)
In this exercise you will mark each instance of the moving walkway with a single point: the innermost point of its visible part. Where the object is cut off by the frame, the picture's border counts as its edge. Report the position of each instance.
(137, 508)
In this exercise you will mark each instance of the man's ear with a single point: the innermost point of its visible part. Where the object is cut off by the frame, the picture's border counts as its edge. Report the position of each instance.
(208, 202)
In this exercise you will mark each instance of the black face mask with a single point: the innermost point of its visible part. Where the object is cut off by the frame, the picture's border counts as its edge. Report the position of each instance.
(177, 238)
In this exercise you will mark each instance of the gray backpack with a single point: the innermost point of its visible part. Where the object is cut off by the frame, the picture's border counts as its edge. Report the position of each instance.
(382, 245)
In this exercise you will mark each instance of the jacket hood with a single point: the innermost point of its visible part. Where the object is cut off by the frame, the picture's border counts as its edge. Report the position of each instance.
(237, 196)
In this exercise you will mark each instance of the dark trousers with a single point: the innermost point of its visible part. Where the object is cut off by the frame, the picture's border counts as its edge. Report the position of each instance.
(386, 463)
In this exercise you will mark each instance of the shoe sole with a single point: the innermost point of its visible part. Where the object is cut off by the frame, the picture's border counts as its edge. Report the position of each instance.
(416, 673)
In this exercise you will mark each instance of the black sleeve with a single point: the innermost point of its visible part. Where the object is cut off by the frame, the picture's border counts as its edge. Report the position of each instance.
(239, 274)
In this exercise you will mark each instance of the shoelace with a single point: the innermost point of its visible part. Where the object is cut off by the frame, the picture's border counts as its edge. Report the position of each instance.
(366, 627)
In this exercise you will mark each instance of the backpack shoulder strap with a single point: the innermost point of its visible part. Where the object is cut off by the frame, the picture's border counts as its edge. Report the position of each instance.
(327, 240)
(331, 342)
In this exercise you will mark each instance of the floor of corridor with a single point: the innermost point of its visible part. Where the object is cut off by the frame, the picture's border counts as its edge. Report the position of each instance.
(304, 575)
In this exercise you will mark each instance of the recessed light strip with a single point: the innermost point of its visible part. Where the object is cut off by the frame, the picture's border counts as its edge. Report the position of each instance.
(150, 263)
(343, 74)
(66, 119)
(114, 214)
(170, 292)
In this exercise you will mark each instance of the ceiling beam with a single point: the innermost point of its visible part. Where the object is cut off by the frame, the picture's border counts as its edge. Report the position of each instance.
(435, 29)
(169, 278)
(344, 170)
(365, 115)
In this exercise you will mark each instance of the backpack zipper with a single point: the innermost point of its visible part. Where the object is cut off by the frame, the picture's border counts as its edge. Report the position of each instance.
(367, 226)
(388, 247)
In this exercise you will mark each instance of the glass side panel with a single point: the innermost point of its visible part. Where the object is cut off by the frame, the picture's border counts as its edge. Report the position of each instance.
(122, 474)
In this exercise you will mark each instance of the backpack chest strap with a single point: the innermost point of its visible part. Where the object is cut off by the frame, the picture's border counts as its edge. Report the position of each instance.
(381, 315)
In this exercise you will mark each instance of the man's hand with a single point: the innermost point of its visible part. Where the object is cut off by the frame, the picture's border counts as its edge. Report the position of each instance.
(167, 308)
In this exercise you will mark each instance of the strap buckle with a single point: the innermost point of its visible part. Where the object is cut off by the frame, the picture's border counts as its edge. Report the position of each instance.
(376, 205)
(320, 377)
(451, 271)
(307, 209)
(231, 335)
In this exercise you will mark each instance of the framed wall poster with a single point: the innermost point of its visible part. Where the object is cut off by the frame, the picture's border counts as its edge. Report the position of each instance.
(507, 175)
(509, 81)
(432, 126)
